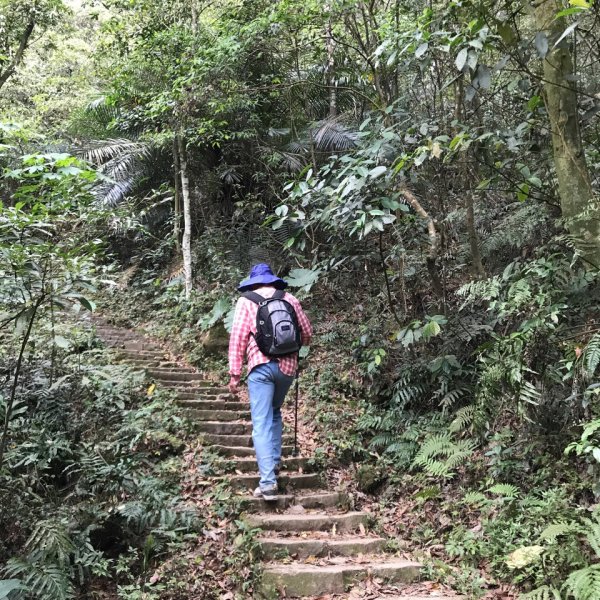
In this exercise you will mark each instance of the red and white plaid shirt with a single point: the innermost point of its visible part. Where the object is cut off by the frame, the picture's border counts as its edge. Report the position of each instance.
(242, 342)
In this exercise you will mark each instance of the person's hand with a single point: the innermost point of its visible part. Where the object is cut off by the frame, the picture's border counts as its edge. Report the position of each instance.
(234, 384)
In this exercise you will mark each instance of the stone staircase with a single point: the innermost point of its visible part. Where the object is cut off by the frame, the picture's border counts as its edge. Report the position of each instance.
(311, 545)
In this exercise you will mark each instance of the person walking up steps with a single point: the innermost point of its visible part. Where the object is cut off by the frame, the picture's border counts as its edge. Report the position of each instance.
(269, 327)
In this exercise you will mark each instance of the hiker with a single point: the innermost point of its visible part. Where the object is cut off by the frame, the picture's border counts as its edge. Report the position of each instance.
(272, 362)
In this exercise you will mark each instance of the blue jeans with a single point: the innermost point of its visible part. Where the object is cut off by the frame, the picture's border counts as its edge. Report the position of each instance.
(267, 387)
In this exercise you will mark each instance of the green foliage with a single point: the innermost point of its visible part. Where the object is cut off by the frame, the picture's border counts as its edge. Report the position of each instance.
(101, 452)
(440, 455)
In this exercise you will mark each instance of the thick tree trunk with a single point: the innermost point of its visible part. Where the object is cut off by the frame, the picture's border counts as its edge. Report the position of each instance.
(177, 199)
(578, 205)
(186, 245)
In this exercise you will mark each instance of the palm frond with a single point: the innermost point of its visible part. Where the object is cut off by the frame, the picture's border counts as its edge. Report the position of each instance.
(330, 135)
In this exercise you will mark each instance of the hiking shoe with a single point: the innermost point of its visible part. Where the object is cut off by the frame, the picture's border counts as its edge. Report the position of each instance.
(266, 493)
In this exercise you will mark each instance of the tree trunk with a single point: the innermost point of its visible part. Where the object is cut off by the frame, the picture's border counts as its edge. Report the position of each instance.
(330, 47)
(434, 244)
(579, 209)
(177, 199)
(18, 57)
(13, 389)
(186, 245)
(476, 261)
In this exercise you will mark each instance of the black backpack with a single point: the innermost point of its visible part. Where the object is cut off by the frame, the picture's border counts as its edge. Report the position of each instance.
(277, 330)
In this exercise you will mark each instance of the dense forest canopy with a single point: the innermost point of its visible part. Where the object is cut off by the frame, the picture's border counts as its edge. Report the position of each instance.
(425, 175)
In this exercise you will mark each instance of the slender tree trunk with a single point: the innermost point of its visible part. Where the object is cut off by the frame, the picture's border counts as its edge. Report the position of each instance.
(388, 286)
(330, 47)
(18, 57)
(476, 261)
(460, 115)
(434, 244)
(579, 208)
(186, 245)
(177, 199)
(15, 383)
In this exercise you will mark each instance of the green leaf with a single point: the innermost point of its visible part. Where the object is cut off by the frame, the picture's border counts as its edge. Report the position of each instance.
(461, 59)
(86, 303)
(431, 330)
(377, 171)
(420, 51)
(303, 278)
(523, 192)
(9, 585)
(533, 102)
(61, 342)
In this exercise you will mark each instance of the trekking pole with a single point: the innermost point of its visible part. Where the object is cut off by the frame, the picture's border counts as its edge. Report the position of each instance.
(295, 452)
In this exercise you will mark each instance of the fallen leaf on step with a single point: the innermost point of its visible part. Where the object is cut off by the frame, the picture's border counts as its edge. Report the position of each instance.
(334, 529)
(363, 531)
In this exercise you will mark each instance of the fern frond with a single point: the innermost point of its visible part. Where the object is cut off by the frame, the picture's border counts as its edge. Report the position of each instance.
(464, 417)
(43, 581)
(544, 592)
(474, 498)
(584, 584)
(505, 490)
(50, 538)
(555, 530)
(591, 355)
(592, 534)
(440, 454)
(529, 393)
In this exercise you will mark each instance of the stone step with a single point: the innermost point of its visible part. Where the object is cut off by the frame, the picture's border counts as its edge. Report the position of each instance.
(207, 394)
(221, 428)
(218, 415)
(179, 375)
(297, 481)
(412, 596)
(162, 361)
(196, 388)
(118, 337)
(238, 451)
(146, 363)
(343, 523)
(299, 547)
(142, 354)
(220, 405)
(315, 500)
(299, 580)
(131, 345)
(212, 439)
(248, 465)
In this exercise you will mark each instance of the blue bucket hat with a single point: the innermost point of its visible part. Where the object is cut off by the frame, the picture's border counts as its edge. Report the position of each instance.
(261, 274)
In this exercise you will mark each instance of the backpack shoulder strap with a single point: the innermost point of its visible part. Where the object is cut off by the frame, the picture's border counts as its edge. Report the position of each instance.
(278, 295)
(254, 297)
